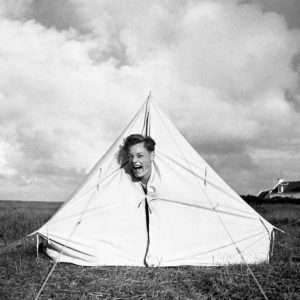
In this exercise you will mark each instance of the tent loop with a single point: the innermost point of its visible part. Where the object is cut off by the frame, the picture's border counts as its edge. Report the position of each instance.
(215, 206)
(99, 177)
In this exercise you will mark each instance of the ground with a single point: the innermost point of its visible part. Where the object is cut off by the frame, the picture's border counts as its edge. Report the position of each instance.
(21, 273)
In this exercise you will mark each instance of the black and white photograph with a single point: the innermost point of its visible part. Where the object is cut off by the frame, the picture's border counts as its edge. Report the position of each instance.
(149, 149)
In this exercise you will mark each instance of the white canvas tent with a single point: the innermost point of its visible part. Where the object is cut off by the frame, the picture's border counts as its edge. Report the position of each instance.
(195, 217)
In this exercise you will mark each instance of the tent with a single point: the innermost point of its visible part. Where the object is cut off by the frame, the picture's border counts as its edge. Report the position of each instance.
(195, 218)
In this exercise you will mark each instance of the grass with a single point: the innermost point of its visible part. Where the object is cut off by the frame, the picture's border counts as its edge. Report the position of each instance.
(21, 273)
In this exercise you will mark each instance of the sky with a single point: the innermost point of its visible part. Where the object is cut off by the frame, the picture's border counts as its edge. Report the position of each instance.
(73, 73)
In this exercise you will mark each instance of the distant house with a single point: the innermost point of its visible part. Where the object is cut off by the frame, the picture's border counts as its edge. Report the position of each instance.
(283, 188)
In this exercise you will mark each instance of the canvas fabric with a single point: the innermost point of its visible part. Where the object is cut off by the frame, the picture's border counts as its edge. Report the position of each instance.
(195, 218)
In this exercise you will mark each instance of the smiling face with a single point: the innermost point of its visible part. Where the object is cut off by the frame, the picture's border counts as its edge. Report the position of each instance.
(140, 161)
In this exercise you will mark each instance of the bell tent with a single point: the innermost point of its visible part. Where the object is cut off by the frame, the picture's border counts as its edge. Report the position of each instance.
(194, 217)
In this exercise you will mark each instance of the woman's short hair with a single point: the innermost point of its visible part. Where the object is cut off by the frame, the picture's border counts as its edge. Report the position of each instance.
(134, 139)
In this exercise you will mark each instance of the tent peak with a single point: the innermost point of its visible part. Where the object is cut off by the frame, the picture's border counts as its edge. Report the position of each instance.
(149, 96)
(146, 128)
(148, 100)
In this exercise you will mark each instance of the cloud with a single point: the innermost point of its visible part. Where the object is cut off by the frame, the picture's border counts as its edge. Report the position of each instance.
(5, 169)
(225, 73)
(15, 9)
(290, 9)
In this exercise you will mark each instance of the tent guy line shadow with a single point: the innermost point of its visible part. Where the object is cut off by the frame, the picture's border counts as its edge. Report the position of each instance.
(95, 188)
(182, 257)
(196, 254)
(213, 209)
(163, 155)
(94, 210)
(232, 196)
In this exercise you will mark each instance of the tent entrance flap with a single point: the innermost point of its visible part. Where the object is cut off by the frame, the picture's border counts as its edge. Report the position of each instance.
(147, 215)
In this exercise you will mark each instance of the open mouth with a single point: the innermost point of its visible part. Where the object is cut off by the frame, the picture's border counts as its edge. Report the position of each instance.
(137, 169)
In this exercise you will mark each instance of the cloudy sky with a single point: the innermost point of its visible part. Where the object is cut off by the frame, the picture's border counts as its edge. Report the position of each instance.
(73, 73)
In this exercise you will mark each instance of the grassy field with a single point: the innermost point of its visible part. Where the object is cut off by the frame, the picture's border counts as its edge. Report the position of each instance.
(21, 273)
